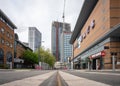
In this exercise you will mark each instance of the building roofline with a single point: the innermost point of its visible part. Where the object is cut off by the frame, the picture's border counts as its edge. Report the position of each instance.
(24, 45)
(86, 10)
(60, 22)
(2, 14)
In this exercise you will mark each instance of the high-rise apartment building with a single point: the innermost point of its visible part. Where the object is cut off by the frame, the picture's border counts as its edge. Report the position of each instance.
(34, 38)
(57, 28)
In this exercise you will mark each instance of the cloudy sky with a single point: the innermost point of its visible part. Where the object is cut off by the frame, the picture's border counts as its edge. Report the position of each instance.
(40, 14)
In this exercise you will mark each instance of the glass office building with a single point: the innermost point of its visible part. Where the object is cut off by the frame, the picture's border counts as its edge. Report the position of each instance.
(34, 38)
(66, 47)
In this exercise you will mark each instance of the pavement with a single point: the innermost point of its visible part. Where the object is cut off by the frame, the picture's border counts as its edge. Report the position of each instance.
(6, 69)
(19, 70)
(81, 70)
(100, 71)
(73, 80)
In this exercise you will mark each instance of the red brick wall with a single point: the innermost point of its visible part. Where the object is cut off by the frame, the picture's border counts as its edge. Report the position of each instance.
(6, 38)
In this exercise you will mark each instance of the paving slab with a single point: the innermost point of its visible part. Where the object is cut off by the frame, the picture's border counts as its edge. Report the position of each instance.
(31, 81)
(72, 80)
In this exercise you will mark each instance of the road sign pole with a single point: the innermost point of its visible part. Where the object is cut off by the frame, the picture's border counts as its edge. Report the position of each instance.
(113, 62)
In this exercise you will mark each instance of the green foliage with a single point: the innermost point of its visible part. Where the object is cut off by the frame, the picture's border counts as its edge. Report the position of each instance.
(46, 56)
(30, 57)
(41, 54)
(1, 66)
(4, 66)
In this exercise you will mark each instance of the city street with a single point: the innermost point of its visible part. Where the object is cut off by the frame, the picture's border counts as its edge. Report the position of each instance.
(59, 42)
(58, 78)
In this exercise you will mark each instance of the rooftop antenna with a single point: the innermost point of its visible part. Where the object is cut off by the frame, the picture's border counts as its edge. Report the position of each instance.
(64, 16)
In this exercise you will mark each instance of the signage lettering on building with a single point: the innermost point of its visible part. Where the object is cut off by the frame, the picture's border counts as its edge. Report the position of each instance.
(84, 35)
(88, 30)
(91, 26)
(102, 53)
(79, 41)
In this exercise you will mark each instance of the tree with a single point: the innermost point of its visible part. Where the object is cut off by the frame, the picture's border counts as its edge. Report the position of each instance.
(46, 56)
(30, 58)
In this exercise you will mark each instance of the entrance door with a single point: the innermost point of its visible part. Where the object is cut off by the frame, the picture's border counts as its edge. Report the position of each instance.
(1, 58)
(101, 63)
(94, 64)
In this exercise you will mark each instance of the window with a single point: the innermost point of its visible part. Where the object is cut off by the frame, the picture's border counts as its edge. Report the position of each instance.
(2, 30)
(11, 37)
(1, 55)
(9, 57)
(2, 41)
(7, 43)
(11, 45)
(8, 34)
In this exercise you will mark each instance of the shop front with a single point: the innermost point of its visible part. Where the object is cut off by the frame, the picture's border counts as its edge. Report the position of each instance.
(96, 60)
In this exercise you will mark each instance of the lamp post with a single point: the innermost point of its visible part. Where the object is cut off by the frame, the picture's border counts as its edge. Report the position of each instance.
(39, 58)
(39, 63)
(113, 60)
(68, 63)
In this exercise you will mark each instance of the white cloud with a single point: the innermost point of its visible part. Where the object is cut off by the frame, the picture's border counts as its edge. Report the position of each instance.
(40, 14)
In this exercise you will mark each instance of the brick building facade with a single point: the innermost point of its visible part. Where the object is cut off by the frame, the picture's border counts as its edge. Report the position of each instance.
(97, 33)
(6, 41)
(19, 50)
